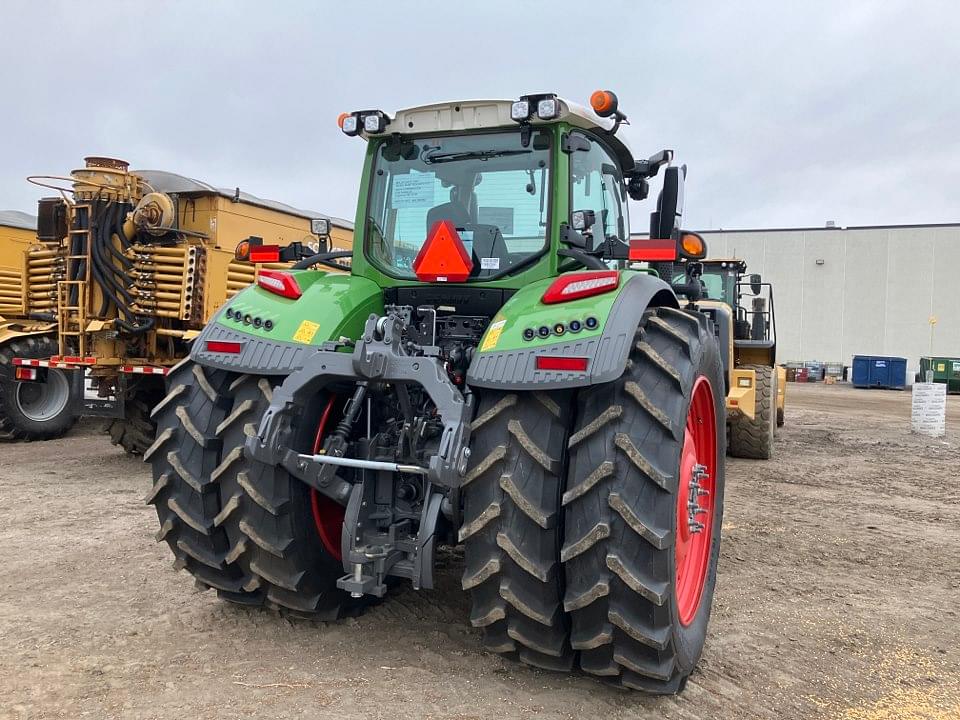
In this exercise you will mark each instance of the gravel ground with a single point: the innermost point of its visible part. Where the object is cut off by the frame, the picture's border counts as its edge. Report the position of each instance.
(837, 598)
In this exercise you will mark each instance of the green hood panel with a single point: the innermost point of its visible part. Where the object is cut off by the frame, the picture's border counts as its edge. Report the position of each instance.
(526, 310)
(332, 305)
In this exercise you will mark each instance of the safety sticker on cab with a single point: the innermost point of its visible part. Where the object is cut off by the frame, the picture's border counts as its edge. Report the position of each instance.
(492, 336)
(306, 331)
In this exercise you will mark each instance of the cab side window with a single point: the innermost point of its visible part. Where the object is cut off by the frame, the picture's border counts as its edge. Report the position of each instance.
(597, 185)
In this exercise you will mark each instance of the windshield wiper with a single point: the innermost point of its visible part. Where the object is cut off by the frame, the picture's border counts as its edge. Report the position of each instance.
(431, 158)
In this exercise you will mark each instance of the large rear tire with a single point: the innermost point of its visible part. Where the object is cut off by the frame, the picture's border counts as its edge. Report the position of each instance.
(196, 508)
(640, 577)
(241, 527)
(512, 527)
(34, 411)
(292, 534)
(754, 438)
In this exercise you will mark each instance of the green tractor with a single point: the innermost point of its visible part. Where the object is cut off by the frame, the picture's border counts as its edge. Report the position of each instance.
(490, 373)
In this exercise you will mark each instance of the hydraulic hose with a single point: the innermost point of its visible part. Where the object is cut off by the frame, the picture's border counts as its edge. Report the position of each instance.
(326, 258)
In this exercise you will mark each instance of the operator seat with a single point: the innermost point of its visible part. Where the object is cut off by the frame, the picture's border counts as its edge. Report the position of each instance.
(454, 211)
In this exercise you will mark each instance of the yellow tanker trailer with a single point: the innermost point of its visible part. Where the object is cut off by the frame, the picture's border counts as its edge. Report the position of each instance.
(131, 264)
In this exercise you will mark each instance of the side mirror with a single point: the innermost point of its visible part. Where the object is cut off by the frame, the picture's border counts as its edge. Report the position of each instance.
(669, 210)
(755, 283)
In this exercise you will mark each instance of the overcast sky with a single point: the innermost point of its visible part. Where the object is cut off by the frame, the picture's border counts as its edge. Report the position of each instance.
(787, 114)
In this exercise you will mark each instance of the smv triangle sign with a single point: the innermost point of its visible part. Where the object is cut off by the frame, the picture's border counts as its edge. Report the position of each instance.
(443, 258)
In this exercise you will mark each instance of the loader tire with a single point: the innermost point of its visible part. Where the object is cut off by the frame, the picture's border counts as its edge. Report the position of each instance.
(136, 431)
(512, 526)
(639, 578)
(754, 438)
(34, 411)
(194, 505)
(288, 557)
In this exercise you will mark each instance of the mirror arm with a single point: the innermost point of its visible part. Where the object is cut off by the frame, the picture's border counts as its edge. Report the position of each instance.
(583, 258)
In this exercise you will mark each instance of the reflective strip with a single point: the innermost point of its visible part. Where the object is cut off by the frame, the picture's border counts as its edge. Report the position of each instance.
(143, 370)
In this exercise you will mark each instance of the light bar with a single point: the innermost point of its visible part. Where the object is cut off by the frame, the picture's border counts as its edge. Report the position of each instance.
(573, 286)
(562, 363)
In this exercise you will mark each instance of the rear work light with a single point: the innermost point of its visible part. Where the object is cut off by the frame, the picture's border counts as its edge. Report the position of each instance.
(573, 286)
(222, 346)
(557, 362)
(279, 283)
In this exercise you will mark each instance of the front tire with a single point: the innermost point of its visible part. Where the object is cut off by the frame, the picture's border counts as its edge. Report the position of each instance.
(640, 579)
(136, 430)
(754, 438)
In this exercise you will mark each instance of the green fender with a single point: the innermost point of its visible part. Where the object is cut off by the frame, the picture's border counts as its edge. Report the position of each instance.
(276, 333)
(507, 360)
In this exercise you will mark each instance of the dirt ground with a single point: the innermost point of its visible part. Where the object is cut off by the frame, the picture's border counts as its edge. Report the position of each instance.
(837, 598)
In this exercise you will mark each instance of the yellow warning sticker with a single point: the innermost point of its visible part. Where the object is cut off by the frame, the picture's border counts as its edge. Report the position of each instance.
(492, 336)
(306, 331)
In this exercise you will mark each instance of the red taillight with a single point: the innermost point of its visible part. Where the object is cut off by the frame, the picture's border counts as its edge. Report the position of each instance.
(653, 250)
(443, 258)
(223, 346)
(573, 286)
(557, 362)
(264, 254)
(280, 283)
(25, 373)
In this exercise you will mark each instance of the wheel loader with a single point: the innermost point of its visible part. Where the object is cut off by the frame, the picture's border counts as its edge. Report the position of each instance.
(490, 374)
(741, 307)
(126, 268)
(43, 410)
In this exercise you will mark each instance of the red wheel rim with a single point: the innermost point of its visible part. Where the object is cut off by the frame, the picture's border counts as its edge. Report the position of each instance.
(327, 514)
(695, 500)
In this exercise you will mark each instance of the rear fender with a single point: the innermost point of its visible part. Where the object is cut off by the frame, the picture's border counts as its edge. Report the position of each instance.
(506, 360)
(331, 306)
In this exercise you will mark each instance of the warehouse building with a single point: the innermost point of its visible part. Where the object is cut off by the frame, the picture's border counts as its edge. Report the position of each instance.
(873, 290)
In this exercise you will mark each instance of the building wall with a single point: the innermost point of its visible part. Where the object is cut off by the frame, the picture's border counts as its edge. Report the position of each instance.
(873, 294)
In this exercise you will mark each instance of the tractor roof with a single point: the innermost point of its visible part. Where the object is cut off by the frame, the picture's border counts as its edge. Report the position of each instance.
(466, 115)
(17, 219)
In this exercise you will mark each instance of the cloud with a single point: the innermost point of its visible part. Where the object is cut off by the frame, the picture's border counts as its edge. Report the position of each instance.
(786, 114)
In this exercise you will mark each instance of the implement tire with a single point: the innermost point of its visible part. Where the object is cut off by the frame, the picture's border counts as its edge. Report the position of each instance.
(135, 432)
(195, 506)
(639, 577)
(754, 438)
(512, 526)
(34, 411)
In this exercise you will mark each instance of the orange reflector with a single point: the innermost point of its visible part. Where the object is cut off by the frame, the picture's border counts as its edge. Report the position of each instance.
(556, 362)
(443, 258)
(653, 250)
(692, 246)
(604, 103)
(242, 251)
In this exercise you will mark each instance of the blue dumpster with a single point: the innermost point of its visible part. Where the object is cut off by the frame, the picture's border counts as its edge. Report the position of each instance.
(879, 371)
